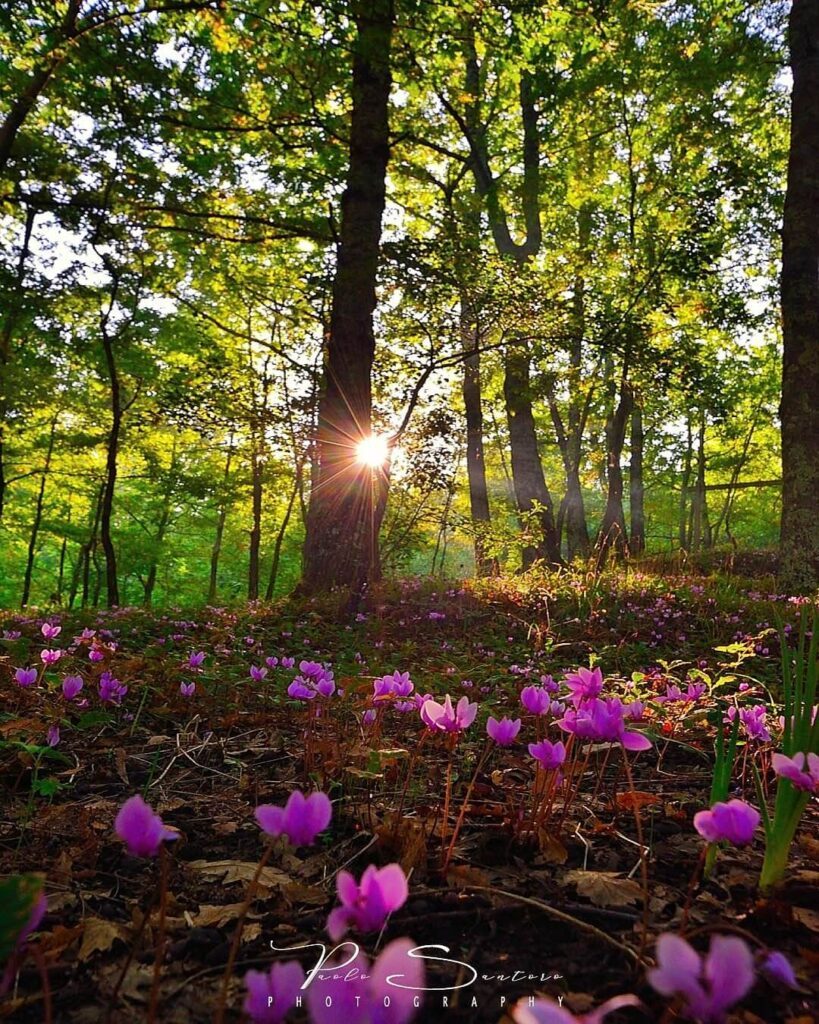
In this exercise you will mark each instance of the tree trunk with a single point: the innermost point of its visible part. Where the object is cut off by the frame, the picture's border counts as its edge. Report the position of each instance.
(531, 493)
(341, 546)
(684, 485)
(612, 534)
(277, 548)
(475, 464)
(112, 456)
(220, 527)
(799, 408)
(6, 335)
(38, 515)
(256, 477)
(700, 529)
(38, 80)
(637, 539)
(162, 529)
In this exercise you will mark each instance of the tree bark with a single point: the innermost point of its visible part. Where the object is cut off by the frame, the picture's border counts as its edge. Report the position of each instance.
(612, 534)
(347, 501)
(220, 527)
(684, 484)
(475, 461)
(6, 335)
(277, 547)
(799, 408)
(112, 456)
(531, 493)
(38, 515)
(161, 530)
(637, 539)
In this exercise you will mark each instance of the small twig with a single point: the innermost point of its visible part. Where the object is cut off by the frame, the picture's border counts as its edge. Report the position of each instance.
(561, 916)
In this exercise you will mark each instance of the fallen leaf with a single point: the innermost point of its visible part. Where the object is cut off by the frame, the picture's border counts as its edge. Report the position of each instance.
(605, 888)
(231, 871)
(99, 936)
(214, 916)
(634, 799)
(551, 848)
(309, 895)
(461, 876)
(809, 918)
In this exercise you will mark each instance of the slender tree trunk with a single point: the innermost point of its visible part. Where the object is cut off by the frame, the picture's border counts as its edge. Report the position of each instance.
(161, 529)
(38, 515)
(341, 546)
(257, 488)
(475, 463)
(220, 527)
(277, 547)
(699, 511)
(799, 408)
(612, 534)
(6, 335)
(531, 493)
(685, 483)
(637, 540)
(111, 461)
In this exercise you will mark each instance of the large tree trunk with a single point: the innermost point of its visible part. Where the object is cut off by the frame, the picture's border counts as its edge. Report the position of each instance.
(531, 493)
(161, 529)
(38, 516)
(799, 409)
(346, 506)
(637, 539)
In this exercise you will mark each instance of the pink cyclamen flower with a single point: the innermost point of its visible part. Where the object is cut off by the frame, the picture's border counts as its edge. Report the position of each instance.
(72, 686)
(142, 831)
(301, 819)
(368, 904)
(50, 657)
(801, 770)
(95, 654)
(584, 684)
(445, 718)
(288, 662)
(53, 735)
(536, 699)
(549, 755)
(777, 968)
(50, 632)
(547, 1011)
(733, 822)
(187, 689)
(503, 732)
(25, 676)
(398, 684)
(196, 659)
(602, 721)
(356, 992)
(707, 988)
(271, 662)
(111, 690)
(272, 994)
(257, 674)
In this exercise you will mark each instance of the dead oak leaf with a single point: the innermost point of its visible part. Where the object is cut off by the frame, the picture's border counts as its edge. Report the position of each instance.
(99, 936)
(605, 888)
(229, 872)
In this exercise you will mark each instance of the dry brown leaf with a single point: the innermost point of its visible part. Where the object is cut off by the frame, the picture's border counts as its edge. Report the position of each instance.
(631, 799)
(99, 936)
(215, 917)
(230, 872)
(119, 764)
(461, 876)
(310, 895)
(605, 888)
(809, 918)
(551, 848)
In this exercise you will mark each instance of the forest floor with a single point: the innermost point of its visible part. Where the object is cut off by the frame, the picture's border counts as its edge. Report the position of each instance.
(569, 908)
